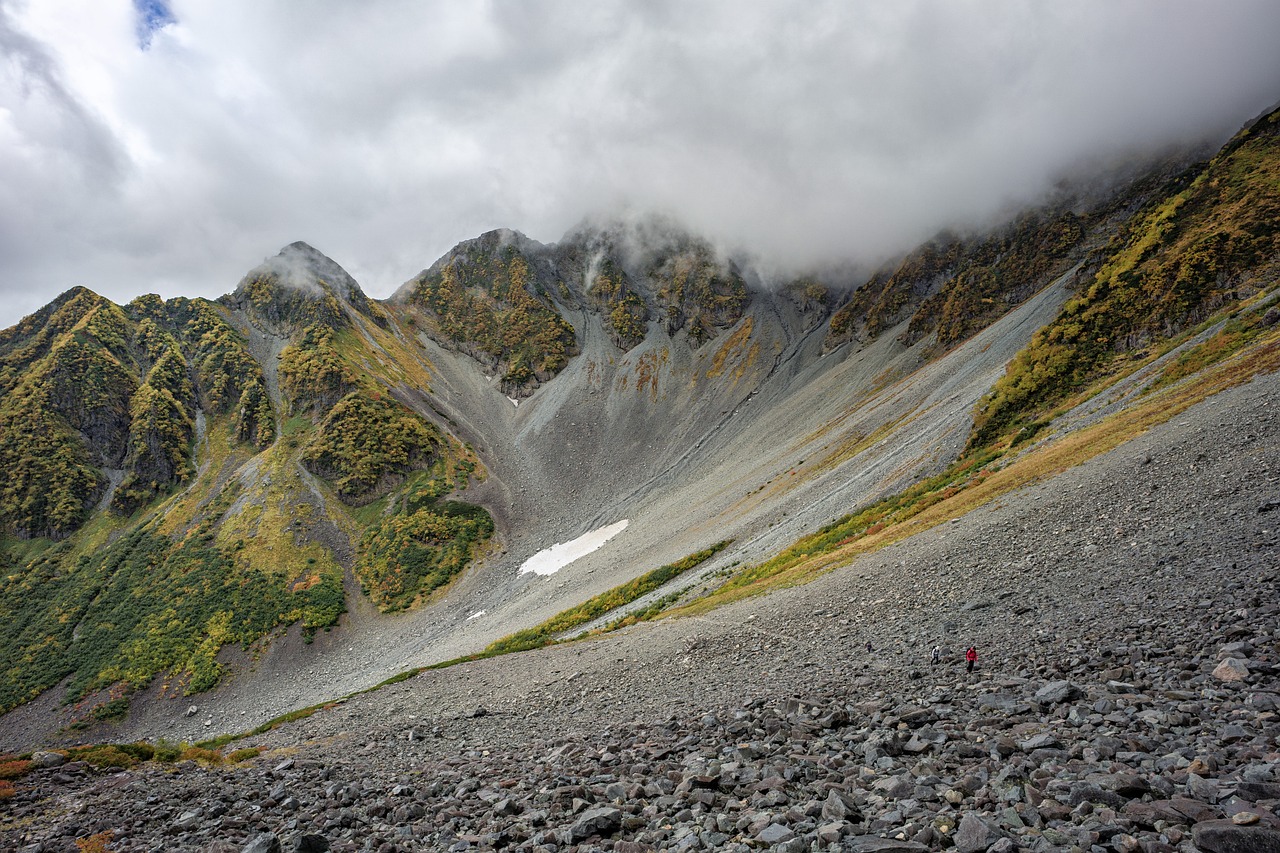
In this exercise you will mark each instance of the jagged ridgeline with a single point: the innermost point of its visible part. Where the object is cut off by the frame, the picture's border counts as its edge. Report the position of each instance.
(501, 297)
(186, 475)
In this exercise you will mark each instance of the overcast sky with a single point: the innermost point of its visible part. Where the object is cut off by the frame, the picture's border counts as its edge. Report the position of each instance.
(169, 147)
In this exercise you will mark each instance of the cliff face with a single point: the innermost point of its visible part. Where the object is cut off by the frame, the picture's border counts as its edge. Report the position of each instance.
(188, 475)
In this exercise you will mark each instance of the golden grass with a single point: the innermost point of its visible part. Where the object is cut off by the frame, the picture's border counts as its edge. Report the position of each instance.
(735, 347)
(1038, 465)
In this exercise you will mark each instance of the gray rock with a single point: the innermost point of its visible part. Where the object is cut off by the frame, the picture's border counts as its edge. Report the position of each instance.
(597, 821)
(1231, 669)
(833, 832)
(309, 843)
(1057, 692)
(974, 834)
(267, 842)
(1254, 791)
(1223, 836)
(48, 759)
(1087, 792)
(1043, 740)
(775, 833)
(839, 806)
(1206, 790)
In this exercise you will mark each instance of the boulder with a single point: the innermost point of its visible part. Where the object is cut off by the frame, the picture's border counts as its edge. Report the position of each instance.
(1223, 836)
(597, 821)
(310, 843)
(1057, 692)
(1231, 669)
(267, 842)
(975, 835)
(48, 759)
(775, 833)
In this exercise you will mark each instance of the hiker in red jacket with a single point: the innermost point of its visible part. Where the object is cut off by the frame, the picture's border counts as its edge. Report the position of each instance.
(972, 657)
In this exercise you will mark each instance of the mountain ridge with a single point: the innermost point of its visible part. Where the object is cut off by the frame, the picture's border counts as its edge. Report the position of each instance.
(338, 456)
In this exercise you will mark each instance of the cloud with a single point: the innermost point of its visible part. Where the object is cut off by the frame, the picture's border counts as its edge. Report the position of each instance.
(385, 132)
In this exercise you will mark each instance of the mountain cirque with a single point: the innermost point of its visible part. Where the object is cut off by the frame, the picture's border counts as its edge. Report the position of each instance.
(1126, 699)
(220, 512)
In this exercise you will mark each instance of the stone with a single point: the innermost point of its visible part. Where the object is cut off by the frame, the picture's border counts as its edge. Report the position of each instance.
(975, 835)
(46, 759)
(839, 806)
(1002, 702)
(1205, 790)
(1147, 814)
(267, 842)
(1057, 692)
(1223, 836)
(1231, 670)
(596, 821)
(1043, 740)
(831, 833)
(1254, 791)
(632, 847)
(1195, 810)
(775, 833)
(310, 843)
(1087, 792)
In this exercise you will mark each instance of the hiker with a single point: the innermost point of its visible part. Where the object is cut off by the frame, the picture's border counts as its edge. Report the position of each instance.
(972, 657)
(935, 656)
(869, 649)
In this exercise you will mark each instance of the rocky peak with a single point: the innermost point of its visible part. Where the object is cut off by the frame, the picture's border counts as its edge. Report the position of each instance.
(298, 287)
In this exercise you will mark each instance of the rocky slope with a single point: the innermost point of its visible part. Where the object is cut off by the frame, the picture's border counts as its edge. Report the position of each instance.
(1126, 699)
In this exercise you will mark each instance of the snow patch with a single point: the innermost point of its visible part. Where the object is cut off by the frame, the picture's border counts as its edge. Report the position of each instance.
(551, 560)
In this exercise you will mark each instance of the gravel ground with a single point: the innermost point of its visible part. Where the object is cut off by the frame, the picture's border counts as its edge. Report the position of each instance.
(1144, 581)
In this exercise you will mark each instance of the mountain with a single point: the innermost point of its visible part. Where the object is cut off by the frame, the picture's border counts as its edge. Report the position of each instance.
(295, 478)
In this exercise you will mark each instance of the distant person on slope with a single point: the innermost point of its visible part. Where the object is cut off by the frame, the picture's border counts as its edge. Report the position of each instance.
(972, 657)
(935, 656)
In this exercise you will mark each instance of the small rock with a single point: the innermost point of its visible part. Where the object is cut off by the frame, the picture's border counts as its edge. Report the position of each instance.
(1231, 669)
(1057, 692)
(48, 759)
(1040, 741)
(267, 842)
(310, 843)
(598, 821)
(775, 833)
(975, 835)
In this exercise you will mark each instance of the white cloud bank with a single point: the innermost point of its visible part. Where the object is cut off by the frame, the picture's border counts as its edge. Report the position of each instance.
(383, 132)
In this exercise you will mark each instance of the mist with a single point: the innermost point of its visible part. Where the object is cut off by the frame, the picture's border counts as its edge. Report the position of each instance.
(171, 147)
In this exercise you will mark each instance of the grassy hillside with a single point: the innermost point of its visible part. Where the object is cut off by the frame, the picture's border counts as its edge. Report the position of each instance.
(226, 522)
(1210, 241)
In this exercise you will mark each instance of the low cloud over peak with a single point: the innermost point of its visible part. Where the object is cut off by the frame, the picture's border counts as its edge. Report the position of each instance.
(385, 132)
